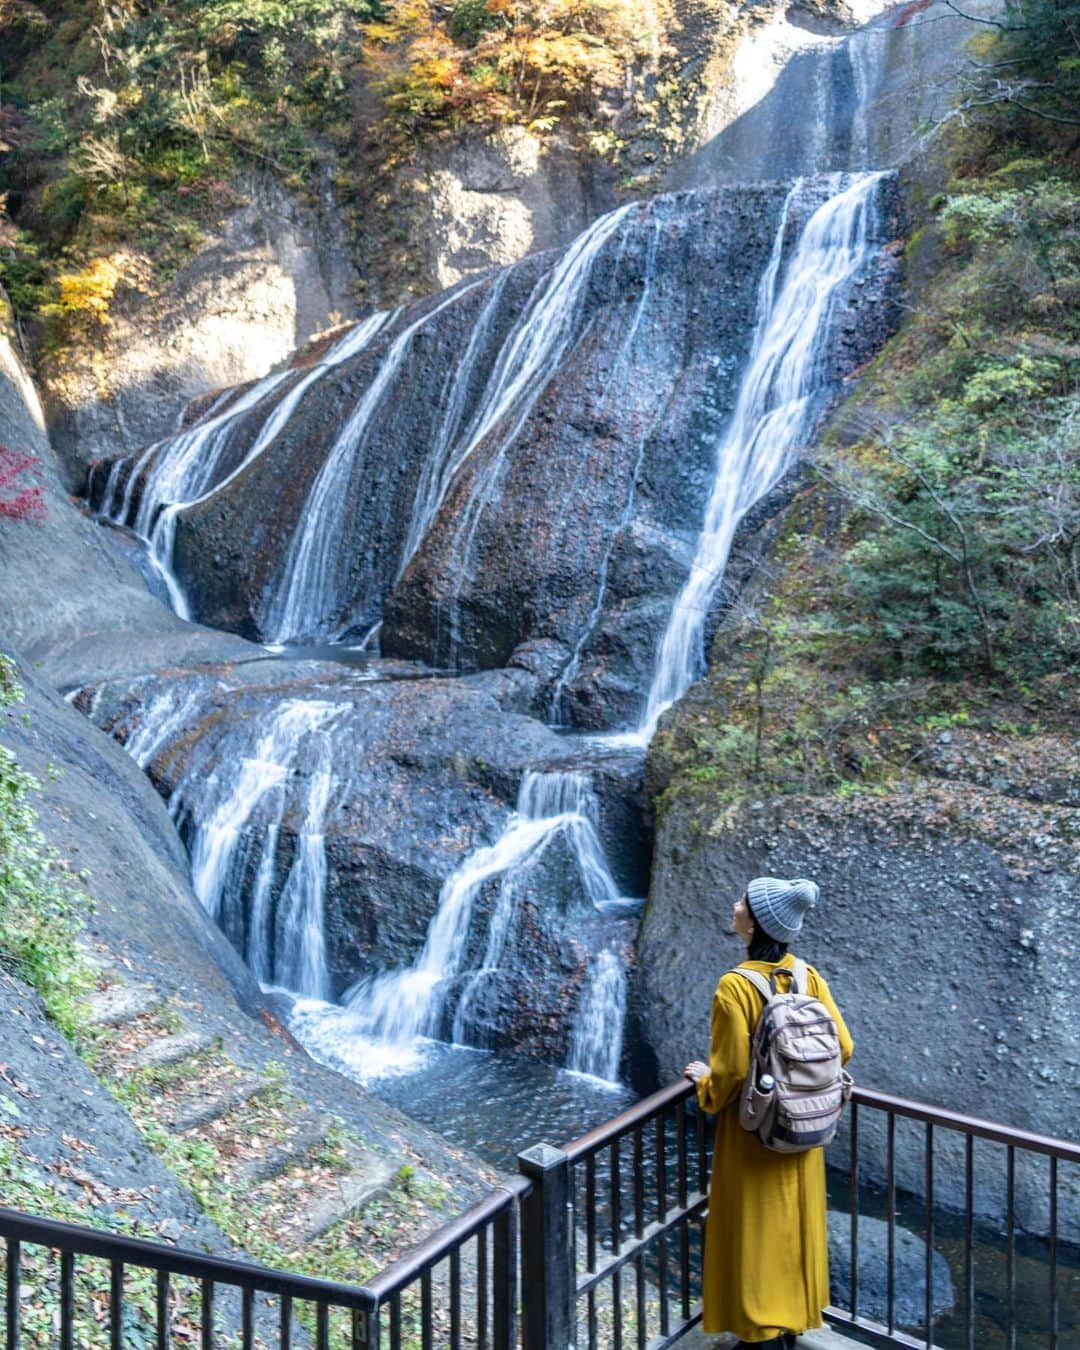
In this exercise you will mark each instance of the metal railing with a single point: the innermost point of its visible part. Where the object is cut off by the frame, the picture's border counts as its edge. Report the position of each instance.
(636, 1190)
(958, 1133)
(599, 1243)
(459, 1286)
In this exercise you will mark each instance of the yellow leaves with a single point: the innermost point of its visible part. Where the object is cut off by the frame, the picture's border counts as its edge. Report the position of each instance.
(88, 292)
(401, 21)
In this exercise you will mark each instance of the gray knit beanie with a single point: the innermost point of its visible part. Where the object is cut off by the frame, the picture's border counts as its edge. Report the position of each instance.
(780, 906)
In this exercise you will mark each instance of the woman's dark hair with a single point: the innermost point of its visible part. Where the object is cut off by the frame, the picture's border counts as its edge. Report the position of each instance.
(762, 946)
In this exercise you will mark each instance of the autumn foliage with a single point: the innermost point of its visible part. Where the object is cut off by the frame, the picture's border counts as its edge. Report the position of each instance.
(524, 61)
(25, 502)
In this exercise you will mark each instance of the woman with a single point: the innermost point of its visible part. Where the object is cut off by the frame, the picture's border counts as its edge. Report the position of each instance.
(766, 1274)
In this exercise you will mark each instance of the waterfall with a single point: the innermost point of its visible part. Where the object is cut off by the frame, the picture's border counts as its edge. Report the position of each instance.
(399, 1006)
(527, 360)
(439, 466)
(303, 599)
(184, 470)
(290, 952)
(779, 400)
(181, 466)
(596, 1046)
(619, 366)
(161, 721)
(299, 946)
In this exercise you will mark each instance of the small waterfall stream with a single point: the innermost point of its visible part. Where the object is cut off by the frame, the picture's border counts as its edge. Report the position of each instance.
(598, 1029)
(185, 470)
(248, 808)
(398, 1006)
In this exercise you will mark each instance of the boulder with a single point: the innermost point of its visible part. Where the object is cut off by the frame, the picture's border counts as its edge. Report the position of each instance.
(909, 1271)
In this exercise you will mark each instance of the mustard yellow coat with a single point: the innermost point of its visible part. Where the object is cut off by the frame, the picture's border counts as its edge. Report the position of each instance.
(766, 1248)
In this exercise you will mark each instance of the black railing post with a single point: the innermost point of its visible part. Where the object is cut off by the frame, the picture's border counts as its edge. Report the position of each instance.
(366, 1327)
(548, 1292)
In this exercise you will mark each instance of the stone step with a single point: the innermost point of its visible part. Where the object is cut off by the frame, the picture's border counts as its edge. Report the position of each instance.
(121, 1003)
(304, 1137)
(170, 1049)
(324, 1201)
(201, 1108)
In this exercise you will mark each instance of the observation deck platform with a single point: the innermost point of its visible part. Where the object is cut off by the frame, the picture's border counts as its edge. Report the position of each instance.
(823, 1339)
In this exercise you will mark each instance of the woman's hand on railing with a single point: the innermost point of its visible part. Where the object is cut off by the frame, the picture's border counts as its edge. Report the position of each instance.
(695, 1070)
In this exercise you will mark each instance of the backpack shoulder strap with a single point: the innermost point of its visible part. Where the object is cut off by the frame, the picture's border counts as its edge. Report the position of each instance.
(759, 982)
(800, 984)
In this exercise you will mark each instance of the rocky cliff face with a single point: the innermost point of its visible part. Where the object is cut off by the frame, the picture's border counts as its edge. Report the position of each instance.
(514, 471)
(70, 630)
(269, 275)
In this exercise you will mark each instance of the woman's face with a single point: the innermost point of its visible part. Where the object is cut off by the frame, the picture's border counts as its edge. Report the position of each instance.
(741, 919)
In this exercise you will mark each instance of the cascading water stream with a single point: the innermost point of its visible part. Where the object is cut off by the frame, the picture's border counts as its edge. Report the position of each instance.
(184, 468)
(249, 812)
(399, 1006)
(572, 667)
(527, 361)
(303, 599)
(779, 399)
(779, 396)
(596, 1045)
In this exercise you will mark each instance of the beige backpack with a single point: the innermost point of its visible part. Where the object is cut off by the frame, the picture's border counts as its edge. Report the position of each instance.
(796, 1089)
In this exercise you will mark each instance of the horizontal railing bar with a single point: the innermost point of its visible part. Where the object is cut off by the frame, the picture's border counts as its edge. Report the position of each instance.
(878, 1331)
(635, 1246)
(67, 1237)
(648, 1107)
(453, 1234)
(983, 1129)
(676, 1333)
(638, 1114)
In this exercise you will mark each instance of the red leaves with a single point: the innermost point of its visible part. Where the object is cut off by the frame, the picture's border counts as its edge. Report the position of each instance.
(19, 503)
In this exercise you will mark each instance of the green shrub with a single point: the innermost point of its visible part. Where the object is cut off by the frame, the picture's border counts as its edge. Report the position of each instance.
(42, 903)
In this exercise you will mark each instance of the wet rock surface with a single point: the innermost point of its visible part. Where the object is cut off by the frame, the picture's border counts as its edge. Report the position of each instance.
(909, 1308)
(425, 771)
(476, 528)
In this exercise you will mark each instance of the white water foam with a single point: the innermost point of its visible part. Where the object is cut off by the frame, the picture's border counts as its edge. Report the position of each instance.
(304, 596)
(250, 812)
(596, 1044)
(182, 470)
(399, 1006)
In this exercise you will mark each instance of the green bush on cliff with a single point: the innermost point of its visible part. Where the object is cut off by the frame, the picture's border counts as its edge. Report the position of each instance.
(125, 122)
(968, 490)
(41, 900)
(930, 576)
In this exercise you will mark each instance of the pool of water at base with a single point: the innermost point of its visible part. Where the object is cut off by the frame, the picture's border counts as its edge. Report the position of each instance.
(1031, 1307)
(495, 1105)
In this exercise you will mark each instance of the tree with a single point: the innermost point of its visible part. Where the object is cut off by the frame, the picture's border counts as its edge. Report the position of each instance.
(1032, 62)
(19, 503)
